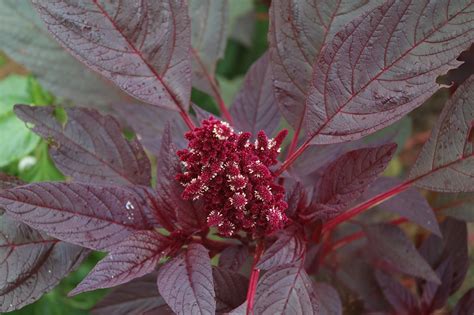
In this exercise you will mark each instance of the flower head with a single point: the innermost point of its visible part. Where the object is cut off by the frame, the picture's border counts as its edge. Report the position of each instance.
(232, 176)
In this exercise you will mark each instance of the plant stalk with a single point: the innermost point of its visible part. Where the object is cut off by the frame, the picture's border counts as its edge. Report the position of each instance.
(254, 278)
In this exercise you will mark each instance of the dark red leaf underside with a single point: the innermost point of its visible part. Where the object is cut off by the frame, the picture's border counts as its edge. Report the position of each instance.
(31, 263)
(401, 298)
(330, 302)
(96, 217)
(186, 283)
(233, 257)
(134, 257)
(143, 47)
(383, 65)
(254, 108)
(298, 31)
(90, 147)
(389, 244)
(289, 248)
(286, 290)
(345, 179)
(231, 289)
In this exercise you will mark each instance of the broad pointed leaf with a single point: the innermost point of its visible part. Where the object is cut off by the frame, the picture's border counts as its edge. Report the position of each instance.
(383, 65)
(31, 263)
(289, 248)
(447, 159)
(132, 258)
(345, 179)
(137, 297)
(90, 147)
(254, 108)
(330, 302)
(400, 297)
(389, 243)
(186, 282)
(143, 47)
(172, 208)
(231, 289)
(96, 217)
(25, 39)
(410, 204)
(209, 36)
(287, 290)
(298, 31)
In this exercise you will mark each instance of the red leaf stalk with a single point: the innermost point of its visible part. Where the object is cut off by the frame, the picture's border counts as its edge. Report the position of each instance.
(254, 278)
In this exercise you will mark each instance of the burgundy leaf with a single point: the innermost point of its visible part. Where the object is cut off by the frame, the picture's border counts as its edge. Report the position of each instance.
(143, 47)
(449, 256)
(457, 205)
(148, 122)
(202, 114)
(410, 204)
(31, 263)
(401, 299)
(286, 289)
(230, 287)
(289, 248)
(435, 295)
(209, 36)
(90, 147)
(296, 197)
(137, 297)
(8, 181)
(186, 282)
(346, 179)
(254, 108)
(298, 31)
(96, 217)
(384, 64)
(330, 302)
(465, 305)
(171, 206)
(134, 257)
(389, 243)
(233, 257)
(446, 160)
(25, 39)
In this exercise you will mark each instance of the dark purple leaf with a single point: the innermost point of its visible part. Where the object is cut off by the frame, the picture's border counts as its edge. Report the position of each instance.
(233, 257)
(465, 305)
(90, 147)
(410, 204)
(143, 47)
(298, 31)
(254, 108)
(134, 257)
(389, 243)
(346, 179)
(449, 257)
(137, 297)
(149, 123)
(289, 248)
(8, 181)
(186, 283)
(202, 114)
(171, 206)
(286, 289)
(209, 36)
(296, 197)
(446, 160)
(330, 302)
(96, 217)
(383, 65)
(25, 39)
(401, 299)
(230, 287)
(31, 263)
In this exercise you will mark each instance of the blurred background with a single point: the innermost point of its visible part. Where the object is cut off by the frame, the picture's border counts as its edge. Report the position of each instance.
(25, 155)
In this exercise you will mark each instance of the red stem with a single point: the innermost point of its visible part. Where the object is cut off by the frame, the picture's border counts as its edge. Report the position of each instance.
(254, 278)
(349, 214)
(187, 120)
(294, 142)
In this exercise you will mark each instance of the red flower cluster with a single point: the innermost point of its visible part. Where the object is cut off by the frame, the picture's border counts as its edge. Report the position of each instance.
(232, 177)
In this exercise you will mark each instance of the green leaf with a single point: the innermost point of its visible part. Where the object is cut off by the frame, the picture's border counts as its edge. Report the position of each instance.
(43, 169)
